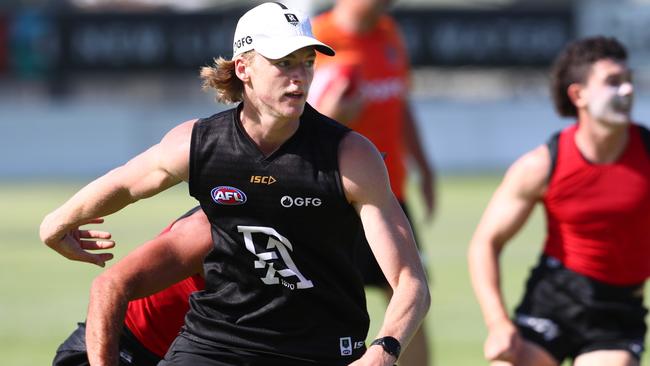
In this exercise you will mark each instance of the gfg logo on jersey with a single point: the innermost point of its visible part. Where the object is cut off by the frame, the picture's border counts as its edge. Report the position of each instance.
(227, 195)
(288, 201)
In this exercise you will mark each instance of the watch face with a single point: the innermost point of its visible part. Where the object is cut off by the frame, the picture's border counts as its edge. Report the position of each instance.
(390, 345)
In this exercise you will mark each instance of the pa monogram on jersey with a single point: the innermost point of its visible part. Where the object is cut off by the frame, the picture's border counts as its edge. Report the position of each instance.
(277, 249)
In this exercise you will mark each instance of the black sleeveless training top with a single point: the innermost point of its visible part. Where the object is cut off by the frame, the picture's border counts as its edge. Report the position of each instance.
(281, 277)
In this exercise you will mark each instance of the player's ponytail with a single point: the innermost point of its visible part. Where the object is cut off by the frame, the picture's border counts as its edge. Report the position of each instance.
(222, 78)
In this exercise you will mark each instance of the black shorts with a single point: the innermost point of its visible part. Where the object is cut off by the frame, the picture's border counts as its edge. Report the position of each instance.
(72, 352)
(187, 352)
(569, 314)
(370, 270)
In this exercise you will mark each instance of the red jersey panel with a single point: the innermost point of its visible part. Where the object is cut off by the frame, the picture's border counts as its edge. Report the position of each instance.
(598, 215)
(380, 71)
(157, 319)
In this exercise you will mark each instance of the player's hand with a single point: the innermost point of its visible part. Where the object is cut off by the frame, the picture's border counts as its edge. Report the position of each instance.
(503, 342)
(375, 356)
(76, 244)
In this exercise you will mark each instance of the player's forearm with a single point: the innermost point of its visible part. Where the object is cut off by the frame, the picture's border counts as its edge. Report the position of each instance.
(101, 197)
(106, 312)
(484, 272)
(412, 143)
(407, 308)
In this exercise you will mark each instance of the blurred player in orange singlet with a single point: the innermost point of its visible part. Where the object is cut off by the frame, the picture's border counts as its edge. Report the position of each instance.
(365, 85)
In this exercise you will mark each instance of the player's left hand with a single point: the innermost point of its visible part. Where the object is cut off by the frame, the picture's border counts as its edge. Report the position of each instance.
(76, 244)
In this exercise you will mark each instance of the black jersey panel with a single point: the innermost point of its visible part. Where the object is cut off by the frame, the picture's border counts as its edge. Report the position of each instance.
(281, 276)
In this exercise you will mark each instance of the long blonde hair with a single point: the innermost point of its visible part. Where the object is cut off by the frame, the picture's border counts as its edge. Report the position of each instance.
(222, 78)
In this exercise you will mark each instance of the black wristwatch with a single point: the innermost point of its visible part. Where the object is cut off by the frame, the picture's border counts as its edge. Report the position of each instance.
(389, 344)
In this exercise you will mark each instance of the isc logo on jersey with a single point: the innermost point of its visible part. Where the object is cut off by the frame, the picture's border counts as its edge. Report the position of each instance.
(263, 179)
(227, 195)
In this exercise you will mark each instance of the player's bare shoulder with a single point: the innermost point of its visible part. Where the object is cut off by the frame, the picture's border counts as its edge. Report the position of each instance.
(529, 173)
(356, 145)
(181, 131)
(195, 221)
(174, 149)
(361, 166)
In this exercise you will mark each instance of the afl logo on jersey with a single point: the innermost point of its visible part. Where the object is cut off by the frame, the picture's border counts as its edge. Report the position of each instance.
(227, 195)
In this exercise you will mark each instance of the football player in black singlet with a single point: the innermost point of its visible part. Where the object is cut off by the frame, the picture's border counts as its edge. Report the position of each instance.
(286, 191)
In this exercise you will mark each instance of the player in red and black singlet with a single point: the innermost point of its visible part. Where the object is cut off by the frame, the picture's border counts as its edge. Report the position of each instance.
(598, 214)
(156, 320)
(150, 325)
(584, 300)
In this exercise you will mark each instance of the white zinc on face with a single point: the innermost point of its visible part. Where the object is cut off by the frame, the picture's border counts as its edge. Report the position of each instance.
(610, 92)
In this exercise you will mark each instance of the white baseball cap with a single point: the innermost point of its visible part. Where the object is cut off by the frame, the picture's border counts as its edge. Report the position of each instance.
(274, 31)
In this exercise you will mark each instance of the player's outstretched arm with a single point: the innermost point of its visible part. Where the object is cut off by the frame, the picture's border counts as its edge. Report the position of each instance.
(509, 208)
(389, 234)
(152, 267)
(151, 172)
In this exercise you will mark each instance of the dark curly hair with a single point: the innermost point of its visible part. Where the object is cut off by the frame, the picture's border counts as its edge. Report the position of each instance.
(574, 63)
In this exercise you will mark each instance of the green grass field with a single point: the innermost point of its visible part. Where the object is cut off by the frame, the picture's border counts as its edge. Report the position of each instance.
(44, 295)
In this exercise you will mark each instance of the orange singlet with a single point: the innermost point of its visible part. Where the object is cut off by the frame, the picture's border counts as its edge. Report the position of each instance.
(380, 61)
